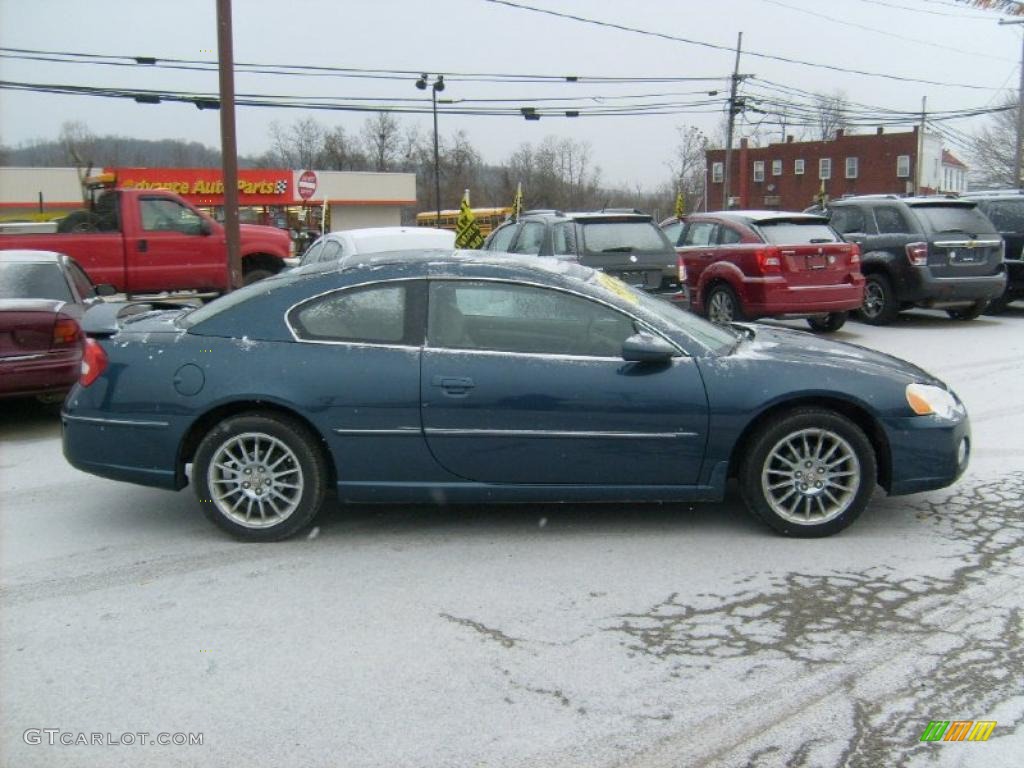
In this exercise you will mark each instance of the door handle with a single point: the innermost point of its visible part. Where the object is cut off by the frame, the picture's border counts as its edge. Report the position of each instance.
(143, 246)
(453, 385)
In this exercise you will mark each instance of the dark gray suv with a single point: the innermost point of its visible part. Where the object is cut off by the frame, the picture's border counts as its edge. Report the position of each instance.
(1005, 209)
(935, 252)
(627, 245)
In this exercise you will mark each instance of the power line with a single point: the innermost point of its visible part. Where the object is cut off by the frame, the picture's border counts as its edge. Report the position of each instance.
(715, 46)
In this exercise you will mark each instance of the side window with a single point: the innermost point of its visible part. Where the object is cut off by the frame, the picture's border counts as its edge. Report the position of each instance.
(700, 233)
(848, 219)
(728, 235)
(81, 282)
(330, 252)
(564, 240)
(515, 318)
(312, 254)
(890, 220)
(374, 314)
(530, 239)
(502, 238)
(162, 215)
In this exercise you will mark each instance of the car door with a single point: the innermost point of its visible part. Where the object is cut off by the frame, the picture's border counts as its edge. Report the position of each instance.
(171, 251)
(526, 384)
(698, 249)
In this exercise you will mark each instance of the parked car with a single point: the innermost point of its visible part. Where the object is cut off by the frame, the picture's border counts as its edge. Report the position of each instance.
(152, 241)
(491, 378)
(343, 246)
(936, 252)
(1005, 209)
(43, 295)
(745, 265)
(624, 244)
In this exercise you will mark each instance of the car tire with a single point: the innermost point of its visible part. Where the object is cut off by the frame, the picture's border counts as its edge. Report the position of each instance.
(829, 323)
(808, 473)
(880, 306)
(998, 306)
(722, 306)
(79, 221)
(260, 476)
(253, 275)
(969, 312)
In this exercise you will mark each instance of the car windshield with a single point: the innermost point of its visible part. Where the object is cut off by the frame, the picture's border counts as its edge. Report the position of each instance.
(26, 280)
(625, 236)
(797, 232)
(954, 218)
(716, 338)
(1007, 215)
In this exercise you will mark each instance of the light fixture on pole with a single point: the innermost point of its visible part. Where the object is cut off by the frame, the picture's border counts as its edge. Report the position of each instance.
(435, 87)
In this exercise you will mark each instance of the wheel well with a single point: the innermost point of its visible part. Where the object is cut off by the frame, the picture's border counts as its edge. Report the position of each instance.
(871, 428)
(265, 261)
(874, 268)
(206, 422)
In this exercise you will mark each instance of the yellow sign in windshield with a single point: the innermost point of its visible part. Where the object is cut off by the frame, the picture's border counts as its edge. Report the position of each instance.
(616, 286)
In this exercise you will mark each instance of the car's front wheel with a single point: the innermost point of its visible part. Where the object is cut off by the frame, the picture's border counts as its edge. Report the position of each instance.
(829, 323)
(808, 472)
(260, 476)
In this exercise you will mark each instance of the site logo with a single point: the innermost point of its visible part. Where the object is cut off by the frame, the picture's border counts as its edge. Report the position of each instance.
(958, 730)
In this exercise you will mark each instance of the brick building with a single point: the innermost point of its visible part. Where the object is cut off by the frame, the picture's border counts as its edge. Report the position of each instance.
(789, 175)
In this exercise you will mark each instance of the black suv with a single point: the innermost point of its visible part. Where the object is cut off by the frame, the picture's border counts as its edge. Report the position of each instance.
(935, 252)
(627, 245)
(1005, 209)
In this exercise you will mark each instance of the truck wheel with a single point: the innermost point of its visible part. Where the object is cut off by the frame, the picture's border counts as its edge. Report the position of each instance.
(829, 323)
(253, 275)
(808, 473)
(880, 306)
(969, 312)
(721, 305)
(260, 476)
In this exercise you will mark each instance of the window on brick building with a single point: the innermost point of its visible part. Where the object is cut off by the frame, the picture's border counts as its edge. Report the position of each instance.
(851, 167)
(903, 166)
(798, 166)
(759, 170)
(776, 167)
(717, 172)
(825, 168)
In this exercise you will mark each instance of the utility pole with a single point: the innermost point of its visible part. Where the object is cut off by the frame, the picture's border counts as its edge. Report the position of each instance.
(228, 142)
(732, 123)
(1020, 112)
(919, 165)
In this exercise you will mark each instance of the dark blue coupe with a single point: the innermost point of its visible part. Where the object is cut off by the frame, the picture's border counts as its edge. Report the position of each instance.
(445, 377)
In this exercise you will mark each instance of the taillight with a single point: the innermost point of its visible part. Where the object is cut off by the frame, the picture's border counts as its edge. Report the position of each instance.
(65, 332)
(854, 254)
(94, 362)
(917, 253)
(681, 269)
(768, 260)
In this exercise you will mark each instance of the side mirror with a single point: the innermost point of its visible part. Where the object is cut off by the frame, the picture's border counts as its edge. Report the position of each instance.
(644, 348)
(105, 289)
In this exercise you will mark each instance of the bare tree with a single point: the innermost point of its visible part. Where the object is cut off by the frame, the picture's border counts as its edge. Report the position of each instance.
(342, 152)
(992, 151)
(382, 138)
(831, 114)
(299, 145)
(687, 166)
(80, 146)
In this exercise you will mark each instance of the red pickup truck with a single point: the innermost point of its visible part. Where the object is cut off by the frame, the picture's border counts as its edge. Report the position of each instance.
(149, 241)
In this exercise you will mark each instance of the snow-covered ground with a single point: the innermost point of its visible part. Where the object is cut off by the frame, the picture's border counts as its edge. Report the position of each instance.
(670, 635)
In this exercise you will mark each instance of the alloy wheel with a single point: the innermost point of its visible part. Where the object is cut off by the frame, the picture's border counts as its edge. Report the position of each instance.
(255, 480)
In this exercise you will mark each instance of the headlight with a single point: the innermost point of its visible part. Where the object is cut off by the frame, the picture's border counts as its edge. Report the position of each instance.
(925, 399)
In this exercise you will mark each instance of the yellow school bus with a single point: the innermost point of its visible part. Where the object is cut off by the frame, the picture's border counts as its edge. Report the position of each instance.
(486, 218)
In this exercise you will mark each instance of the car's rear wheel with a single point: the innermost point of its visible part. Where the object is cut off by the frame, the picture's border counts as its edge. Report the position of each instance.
(252, 275)
(969, 312)
(829, 323)
(880, 306)
(260, 477)
(808, 472)
(722, 306)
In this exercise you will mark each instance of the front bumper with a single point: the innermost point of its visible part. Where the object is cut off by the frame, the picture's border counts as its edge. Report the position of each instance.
(926, 452)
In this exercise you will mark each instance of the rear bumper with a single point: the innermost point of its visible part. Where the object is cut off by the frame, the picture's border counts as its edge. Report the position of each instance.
(925, 289)
(767, 296)
(39, 374)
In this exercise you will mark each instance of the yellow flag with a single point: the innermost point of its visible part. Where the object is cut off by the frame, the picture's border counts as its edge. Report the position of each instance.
(517, 203)
(680, 205)
(467, 231)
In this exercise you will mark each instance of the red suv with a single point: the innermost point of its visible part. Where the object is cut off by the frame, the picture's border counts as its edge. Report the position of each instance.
(742, 265)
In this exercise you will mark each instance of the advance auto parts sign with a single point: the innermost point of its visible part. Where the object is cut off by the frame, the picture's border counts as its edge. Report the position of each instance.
(205, 186)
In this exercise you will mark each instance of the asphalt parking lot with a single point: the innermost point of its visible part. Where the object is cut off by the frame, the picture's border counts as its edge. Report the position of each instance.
(640, 636)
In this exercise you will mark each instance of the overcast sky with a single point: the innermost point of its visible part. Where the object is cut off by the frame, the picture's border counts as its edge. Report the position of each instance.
(936, 40)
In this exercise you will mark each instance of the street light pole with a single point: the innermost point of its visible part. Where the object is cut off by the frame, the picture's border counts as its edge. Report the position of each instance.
(435, 87)
(1020, 112)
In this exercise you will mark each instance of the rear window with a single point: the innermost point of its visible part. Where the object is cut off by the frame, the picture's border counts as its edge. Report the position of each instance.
(796, 233)
(233, 299)
(953, 218)
(623, 236)
(1007, 215)
(20, 280)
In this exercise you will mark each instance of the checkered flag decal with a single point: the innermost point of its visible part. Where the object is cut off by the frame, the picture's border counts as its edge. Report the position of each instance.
(280, 187)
